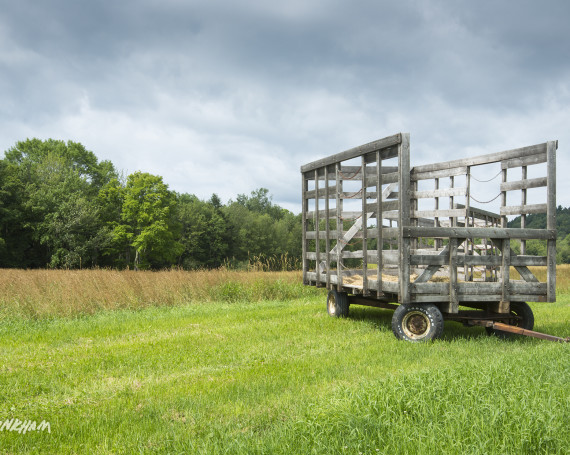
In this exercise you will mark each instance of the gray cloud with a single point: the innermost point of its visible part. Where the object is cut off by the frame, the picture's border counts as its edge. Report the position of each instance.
(229, 96)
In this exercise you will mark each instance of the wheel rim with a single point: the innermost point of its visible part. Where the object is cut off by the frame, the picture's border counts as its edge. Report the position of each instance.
(331, 305)
(416, 325)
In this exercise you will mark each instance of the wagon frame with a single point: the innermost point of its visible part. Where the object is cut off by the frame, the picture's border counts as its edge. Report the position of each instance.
(369, 238)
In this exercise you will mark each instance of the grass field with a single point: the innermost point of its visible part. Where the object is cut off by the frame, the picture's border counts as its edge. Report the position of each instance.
(224, 362)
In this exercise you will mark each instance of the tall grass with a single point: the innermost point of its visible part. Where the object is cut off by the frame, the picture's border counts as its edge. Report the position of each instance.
(51, 293)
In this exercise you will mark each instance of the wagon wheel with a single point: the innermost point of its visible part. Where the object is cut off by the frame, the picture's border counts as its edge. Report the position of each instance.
(524, 319)
(417, 323)
(337, 304)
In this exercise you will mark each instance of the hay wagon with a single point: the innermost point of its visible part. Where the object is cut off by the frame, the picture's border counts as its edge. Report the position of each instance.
(377, 232)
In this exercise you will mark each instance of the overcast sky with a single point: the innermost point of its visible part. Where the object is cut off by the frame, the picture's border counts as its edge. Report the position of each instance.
(228, 96)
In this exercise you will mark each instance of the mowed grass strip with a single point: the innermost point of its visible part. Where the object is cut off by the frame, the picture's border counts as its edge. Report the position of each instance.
(280, 377)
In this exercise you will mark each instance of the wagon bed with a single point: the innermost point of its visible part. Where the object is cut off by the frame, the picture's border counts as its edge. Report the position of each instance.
(366, 210)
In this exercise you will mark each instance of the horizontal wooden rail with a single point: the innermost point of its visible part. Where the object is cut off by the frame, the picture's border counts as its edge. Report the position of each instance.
(523, 209)
(476, 232)
(379, 145)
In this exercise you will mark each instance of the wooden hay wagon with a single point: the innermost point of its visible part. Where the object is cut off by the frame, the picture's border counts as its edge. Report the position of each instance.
(377, 232)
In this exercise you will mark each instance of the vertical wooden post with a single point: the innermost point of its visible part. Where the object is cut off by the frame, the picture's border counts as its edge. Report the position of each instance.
(404, 217)
(453, 277)
(505, 276)
(452, 220)
(523, 215)
(379, 218)
(317, 230)
(436, 242)
(504, 198)
(305, 203)
(365, 290)
(551, 219)
(339, 227)
(327, 229)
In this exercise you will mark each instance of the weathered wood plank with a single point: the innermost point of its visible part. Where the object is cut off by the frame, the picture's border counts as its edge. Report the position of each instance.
(305, 207)
(526, 261)
(462, 232)
(526, 274)
(524, 184)
(505, 269)
(483, 159)
(404, 216)
(441, 173)
(390, 178)
(453, 278)
(524, 161)
(551, 218)
(462, 260)
(378, 145)
(526, 209)
(438, 213)
(379, 234)
(446, 192)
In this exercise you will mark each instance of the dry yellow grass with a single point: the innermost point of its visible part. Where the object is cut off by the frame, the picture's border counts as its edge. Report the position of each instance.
(47, 293)
(41, 293)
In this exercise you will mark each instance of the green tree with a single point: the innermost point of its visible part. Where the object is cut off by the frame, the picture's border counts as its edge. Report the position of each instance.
(147, 224)
(50, 192)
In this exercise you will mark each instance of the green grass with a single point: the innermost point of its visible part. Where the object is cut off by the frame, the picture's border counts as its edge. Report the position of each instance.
(280, 377)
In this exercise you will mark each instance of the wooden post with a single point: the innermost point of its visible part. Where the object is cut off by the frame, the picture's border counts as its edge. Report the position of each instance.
(551, 219)
(379, 218)
(523, 216)
(339, 227)
(437, 243)
(453, 277)
(327, 229)
(404, 217)
(317, 230)
(305, 203)
(504, 197)
(504, 306)
(365, 291)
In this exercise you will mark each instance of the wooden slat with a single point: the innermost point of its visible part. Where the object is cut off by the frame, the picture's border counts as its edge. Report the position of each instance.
(524, 184)
(483, 159)
(437, 213)
(379, 145)
(390, 178)
(446, 192)
(526, 209)
(526, 274)
(404, 217)
(441, 173)
(505, 270)
(355, 172)
(462, 260)
(551, 218)
(490, 233)
(527, 261)
(524, 161)
(521, 287)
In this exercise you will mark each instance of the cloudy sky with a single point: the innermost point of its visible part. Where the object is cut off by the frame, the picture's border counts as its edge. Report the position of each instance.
(229, 96)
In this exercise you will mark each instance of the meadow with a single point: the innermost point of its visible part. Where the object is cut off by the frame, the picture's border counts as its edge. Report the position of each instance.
(250, 362)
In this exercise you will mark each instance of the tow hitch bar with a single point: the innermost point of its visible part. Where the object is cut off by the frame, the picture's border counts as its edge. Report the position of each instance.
(518, 330)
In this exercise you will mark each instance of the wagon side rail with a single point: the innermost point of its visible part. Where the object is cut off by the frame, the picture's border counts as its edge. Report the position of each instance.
(463, 236)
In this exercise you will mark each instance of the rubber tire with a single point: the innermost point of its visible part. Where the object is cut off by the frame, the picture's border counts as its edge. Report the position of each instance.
(520, 309)
(337, 304)
(429, 314)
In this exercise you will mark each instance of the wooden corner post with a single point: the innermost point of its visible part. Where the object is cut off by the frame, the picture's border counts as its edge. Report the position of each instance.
(404, 216)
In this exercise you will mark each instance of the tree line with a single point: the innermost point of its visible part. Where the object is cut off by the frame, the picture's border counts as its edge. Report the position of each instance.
(61, 207)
